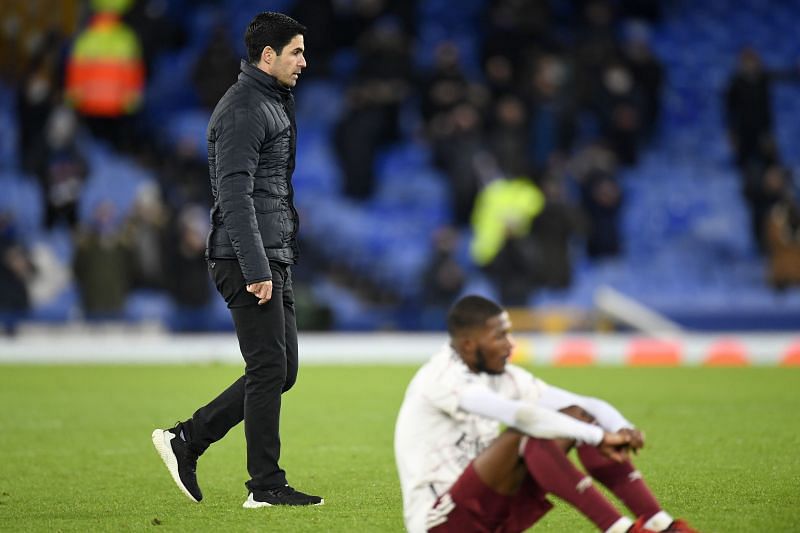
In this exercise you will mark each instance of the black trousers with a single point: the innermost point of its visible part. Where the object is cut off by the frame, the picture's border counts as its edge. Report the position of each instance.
(268, 342)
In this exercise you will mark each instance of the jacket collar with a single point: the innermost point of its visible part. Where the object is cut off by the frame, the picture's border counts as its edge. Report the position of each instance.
(265, 82)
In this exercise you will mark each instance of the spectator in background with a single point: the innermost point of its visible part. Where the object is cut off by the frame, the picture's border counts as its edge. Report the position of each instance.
(551, 233)
(516, 28)
(444, 276)
(147, 234)
(216, 67)
(180, 171)
(102, 264)
(61, 168)
(649, 10)
(593, 169)
(594, 156)
(312, 313)
(155, 29)
(749, 113)
(500, 76)
(749, 119)
(445, 86)
(648, 75)
(16, 271)
(106, 75)
(551, 93)
(504, 212)
(601, 199)
(354, 18)
(595, 48)
(187, 273)
(362, 130)
(508, 136)
(462, 152)
(370, 120)
(782, 241)
(320, 17)
(620, 111)
(38, 95)
(763, 192)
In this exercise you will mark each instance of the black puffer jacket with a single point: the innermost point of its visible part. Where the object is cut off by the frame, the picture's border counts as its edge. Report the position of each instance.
(251, 157)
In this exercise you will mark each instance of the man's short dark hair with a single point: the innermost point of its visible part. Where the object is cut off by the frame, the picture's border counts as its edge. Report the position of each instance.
(270, 29)
(469, 312)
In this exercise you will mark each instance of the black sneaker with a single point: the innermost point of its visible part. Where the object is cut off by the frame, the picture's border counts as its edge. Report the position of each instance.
(285, 495)
(179, 459)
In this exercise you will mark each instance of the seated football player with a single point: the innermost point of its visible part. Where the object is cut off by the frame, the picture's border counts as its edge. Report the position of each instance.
(460, 472)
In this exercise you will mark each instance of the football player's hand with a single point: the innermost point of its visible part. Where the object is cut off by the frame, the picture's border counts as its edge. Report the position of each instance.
(615, 446)
(261, 290)
(636, 436)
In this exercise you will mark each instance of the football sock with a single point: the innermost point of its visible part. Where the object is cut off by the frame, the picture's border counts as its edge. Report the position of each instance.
(620, 526)
(555, 473)
(623, 480)
(659, 521)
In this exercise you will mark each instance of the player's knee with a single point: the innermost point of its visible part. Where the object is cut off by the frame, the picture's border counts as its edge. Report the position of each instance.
(578, 412)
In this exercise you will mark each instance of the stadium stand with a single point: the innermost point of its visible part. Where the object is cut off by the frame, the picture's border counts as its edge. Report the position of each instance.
(688, 251)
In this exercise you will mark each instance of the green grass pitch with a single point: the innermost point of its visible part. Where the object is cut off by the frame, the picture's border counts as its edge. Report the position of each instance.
(75, 452)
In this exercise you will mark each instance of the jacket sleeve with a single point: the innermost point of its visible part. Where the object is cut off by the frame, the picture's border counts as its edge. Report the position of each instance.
(240, 134)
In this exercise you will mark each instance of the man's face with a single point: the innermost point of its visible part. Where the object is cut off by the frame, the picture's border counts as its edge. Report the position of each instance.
(287, 66)
(492, 344)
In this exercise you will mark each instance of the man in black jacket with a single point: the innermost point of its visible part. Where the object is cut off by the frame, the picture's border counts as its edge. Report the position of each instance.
(252, 243)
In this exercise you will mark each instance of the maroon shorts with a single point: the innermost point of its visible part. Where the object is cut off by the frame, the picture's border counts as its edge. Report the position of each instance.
(478, 508)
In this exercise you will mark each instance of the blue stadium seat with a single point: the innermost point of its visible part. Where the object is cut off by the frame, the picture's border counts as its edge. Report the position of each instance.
(22, 198)
(149, 306)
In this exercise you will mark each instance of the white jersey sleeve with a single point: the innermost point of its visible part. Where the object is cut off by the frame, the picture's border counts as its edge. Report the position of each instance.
(530, 418)
(606, 414)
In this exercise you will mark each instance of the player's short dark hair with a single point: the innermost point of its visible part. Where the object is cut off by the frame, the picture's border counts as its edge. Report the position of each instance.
(270, 29)
(469, 312)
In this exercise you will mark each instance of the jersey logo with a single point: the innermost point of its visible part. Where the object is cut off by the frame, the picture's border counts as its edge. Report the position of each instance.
(438, 515)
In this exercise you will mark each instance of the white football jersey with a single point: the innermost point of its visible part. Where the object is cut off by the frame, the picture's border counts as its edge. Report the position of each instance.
(434, 440)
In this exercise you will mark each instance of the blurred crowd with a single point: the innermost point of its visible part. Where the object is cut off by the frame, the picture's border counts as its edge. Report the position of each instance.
(561, 104)
(82, 78)
(531, 132)
(765, 181)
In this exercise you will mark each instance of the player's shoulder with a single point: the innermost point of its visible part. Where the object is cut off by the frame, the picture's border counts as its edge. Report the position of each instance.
(518, 381)
(444, 369)
(519, 373)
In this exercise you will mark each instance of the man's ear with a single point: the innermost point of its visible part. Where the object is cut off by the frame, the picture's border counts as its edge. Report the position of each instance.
(267, 54)
(464, 344)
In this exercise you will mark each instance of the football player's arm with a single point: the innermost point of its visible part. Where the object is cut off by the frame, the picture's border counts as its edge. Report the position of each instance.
(605, 414)
(529, 418)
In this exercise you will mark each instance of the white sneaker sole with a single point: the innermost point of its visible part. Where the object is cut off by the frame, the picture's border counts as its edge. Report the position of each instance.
(251, 503)
(161, 441)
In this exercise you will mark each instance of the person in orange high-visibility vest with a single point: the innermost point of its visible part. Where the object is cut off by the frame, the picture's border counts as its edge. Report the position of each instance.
(105, 71)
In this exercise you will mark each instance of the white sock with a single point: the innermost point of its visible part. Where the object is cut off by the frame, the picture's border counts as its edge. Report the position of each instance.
(620, 526)
(659, 521)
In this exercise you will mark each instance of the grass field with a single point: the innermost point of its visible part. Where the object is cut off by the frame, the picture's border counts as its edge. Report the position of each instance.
(75, 451)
